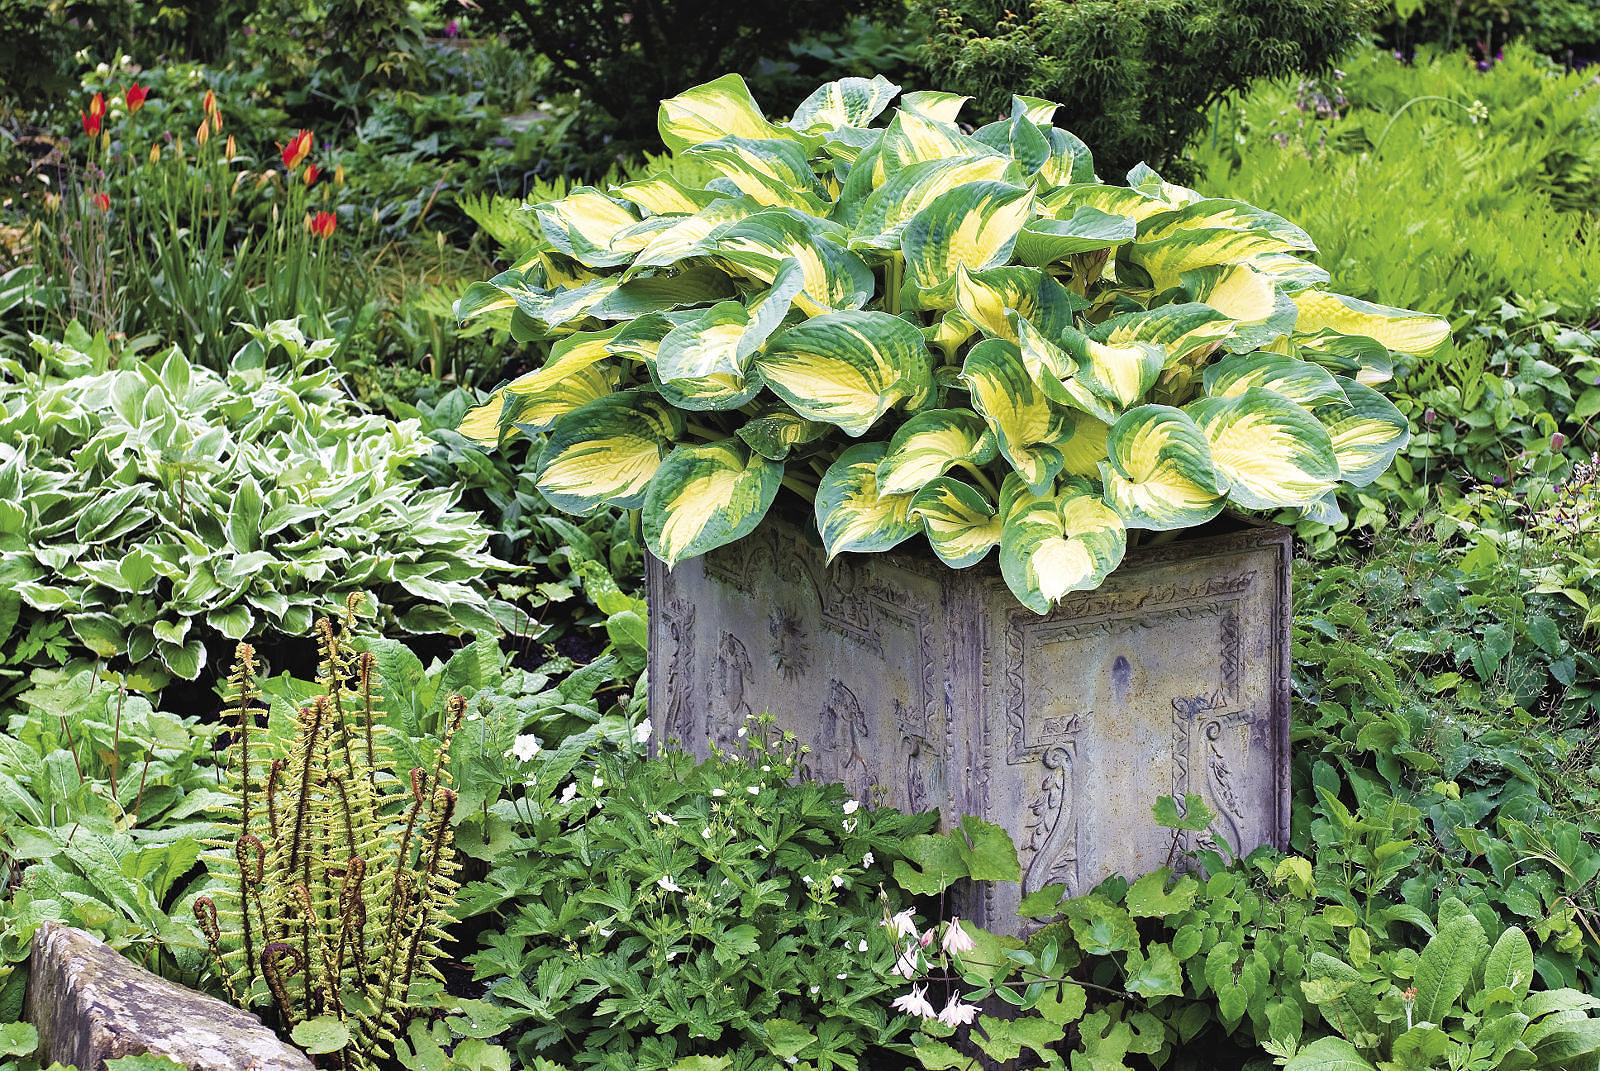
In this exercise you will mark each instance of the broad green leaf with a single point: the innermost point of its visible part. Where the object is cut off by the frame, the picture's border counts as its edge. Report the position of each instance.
(776, 431)
(960, 523)
(883, 216)
(1510, 963)
(1446, 966)
(986, 849)
(323, 1034)
(1346, 1001)
(707, 112)
(847, 368)
(846, 102)
(1046, 241)
(1195, 816)
(586, 225)
(1156, 973)
(605, 452)
(785, 1038)
(992, 299)
(1401, 330)
(1328, 1054)
(1100, 926)
(760, 245)
(1301, 382)
(973, 226)
(772, 172)
(930, 443)
(1158, 472)
(1067, 543)
(1149, 897)
(1270, 451)
(703, 497)
(1367, 432)
(700, 284)
(851, 515)
(1035, 435)
(102, 633)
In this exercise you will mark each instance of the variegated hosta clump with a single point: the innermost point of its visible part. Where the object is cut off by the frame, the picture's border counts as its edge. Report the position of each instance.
(924, 331)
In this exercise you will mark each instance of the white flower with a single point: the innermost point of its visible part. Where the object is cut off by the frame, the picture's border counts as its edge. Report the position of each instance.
(862, 946)
(850, 806)
(706, 833)
(905, 964)
(915, 1003)
(838, 881)
(672, 955)
(569, 793)
(903, 924)
(957, 940)
(806, 878)
(766, 769)
(641, 733)
(597, 782)
(841, 977)
(719, 792)
(815, 990)
(754, 790)
(957, 1013)
(668, 884)
(849, 825)
(664, 819)
(524, 748)
(742, 730)
(867, 860)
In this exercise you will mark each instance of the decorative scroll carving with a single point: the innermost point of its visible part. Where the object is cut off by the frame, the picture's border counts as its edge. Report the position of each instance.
(728, 707)
(791, 650)
(919, 754)
(678, 722)
(841, 729)
(1052, 832)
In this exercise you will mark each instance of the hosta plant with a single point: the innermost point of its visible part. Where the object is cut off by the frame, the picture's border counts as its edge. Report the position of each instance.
(930, 332)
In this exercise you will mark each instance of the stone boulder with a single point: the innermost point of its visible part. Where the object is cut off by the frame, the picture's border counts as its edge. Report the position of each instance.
(91, 1005)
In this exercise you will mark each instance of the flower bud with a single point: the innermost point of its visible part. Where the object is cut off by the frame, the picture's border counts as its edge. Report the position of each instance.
(1557, 441)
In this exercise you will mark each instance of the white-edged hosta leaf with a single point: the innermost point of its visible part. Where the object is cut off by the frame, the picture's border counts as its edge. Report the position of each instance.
(761, 244)
(1270, 451)
(1367, 431)
(1070, 161)
(1401, 330)
(664, 195)
(1158, 472)
(846, 102)
(604, 453)
(934, 104)
(1122, 373)
(1045, 241)
(988, 299)
(973, 226)
(960, 523)
(717, 109)
(776, 430)
(1179, 329)
(773, 172)
(851, 515)
(847, 368)
(884, 214)
(585, 225)
(930, 443)
(1301, 382)
(703, 497)
(1033, 434)
(1365, 360)
(1067, 543)
(506, 412)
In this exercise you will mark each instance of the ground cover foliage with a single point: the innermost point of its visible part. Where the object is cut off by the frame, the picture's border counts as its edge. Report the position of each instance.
(1438, 903)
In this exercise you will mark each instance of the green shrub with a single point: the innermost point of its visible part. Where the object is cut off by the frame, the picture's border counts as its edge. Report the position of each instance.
(1134, 79)
(160, 508)
(1565, 30)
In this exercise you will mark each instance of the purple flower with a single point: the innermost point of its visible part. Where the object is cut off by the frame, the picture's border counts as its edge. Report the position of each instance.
(452, 28)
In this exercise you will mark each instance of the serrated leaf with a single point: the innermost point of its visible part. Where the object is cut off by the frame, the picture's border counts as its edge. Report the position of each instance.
(1149, 897)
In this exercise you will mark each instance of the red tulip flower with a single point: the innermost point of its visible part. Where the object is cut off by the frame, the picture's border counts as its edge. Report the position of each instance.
(103, 201)
(312, 171)
(208, 103)
(135, 97)
(91, 118)
(322, 224)
(296, 151)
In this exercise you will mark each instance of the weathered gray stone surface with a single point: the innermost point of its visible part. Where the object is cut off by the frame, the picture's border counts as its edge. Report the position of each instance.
(936, 687)
(91, 1005)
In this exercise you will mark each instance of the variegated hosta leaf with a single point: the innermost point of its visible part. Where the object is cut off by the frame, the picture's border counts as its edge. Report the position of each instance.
(1122, 373)
(1270, 451)
(847, 368)
(960, 523)
(1292, 274)
(720, 108)
(664, 195)
(1035, 109)
(1401, 330)
(1184, 249)
(1070, 160)
(699, 364)
(884, 214)
(605, 452)
(700, 284)
(1059, 545)
(760, 245)
(1046, 241)
(1324, 510)
(912, 138)
(690, 236)
(507, 413)
(1065, 202)
(952, 330)
(1142, 177)
(1367, 432)
(930, 443)
(847, 102)
(1301, 382)
(773, 172)
(933, 104)
(1019, 138)
(1158, 472)
(1033, 434)
(1262, 313)
(777, 430)
(1055, 372)
(1219, 213)
(542, 313)
(640, 340)
(481, 299)
(1354, 356)
(972, 226)
(586, 225)
(851, 514)
(1178, 329)
(704, 497)
(567, 357)
(987, 298)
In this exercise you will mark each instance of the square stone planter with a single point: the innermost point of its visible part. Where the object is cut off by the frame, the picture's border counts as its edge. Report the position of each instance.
(936, 688)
